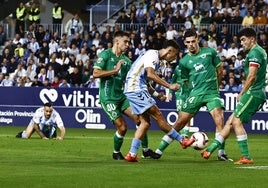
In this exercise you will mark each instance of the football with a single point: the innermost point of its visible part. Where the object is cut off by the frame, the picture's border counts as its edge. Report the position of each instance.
(201, 140)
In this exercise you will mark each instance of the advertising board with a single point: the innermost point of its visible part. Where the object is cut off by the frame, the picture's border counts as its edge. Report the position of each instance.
(80, 108)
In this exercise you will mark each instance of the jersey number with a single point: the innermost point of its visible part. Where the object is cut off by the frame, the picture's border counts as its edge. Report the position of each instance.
(191, 100)
(110, 107)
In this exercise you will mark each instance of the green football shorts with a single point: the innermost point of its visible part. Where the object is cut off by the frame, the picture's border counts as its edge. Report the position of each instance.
(247, 107)
(180, 101)
(193, 104)
(114, 109)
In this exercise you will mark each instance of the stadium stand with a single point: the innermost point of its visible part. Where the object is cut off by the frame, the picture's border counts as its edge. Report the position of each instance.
(148, 24)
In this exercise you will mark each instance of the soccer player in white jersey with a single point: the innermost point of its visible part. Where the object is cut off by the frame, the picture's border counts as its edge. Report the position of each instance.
(45, 122)
(142, 103)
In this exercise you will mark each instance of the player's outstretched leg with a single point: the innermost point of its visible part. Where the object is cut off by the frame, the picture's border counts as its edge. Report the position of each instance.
(167, 139)
(211, 148)
(165, 142)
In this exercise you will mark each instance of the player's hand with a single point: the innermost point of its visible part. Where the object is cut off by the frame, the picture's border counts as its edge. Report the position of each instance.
(162, 96)
(59, 138)
(174, 87)
(118, 65)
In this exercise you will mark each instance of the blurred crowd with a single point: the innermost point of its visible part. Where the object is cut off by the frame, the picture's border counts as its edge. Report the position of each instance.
(39, 57)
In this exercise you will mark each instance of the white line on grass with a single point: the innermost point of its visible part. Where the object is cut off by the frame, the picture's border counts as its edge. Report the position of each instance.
(254, 167)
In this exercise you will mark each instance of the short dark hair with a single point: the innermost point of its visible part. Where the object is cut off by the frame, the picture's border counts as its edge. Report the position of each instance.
(247, 32)
(171, 43)
(48, 104)
(190, 33)
(121, 34)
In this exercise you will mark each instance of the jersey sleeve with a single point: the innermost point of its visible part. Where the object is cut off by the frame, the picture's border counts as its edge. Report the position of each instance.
(150, 59)
(58, 119)
(37, 115)
(176, 76)
(252, 58)
(101, 60)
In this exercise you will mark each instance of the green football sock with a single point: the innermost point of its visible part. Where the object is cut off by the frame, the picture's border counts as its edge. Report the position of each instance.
(243, 146)
(221, 147)
(163, 145)
(166, 140)
(212, 147)
(221, 150)
(118, 141)
(144, 142)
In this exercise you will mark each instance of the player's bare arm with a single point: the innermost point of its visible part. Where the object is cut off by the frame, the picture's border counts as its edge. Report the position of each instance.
(249, 81)
(160, 95)
(219, 70)
(39, 132)
(152, 76)
(62, 133)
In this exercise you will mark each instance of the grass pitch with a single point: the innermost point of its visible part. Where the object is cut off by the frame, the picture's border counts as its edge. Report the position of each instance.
(84, 160)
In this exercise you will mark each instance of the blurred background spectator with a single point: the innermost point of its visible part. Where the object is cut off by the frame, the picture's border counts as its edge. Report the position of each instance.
(67, 56)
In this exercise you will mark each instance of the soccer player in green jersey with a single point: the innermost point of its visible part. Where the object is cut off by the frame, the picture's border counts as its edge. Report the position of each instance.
(201, 70)
(112, 67)
(250, 99)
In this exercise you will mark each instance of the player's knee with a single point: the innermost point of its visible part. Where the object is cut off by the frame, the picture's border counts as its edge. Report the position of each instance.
(146, 125)
(122, 130)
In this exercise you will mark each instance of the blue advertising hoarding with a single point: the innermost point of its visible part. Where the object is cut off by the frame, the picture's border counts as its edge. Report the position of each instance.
(80, 108)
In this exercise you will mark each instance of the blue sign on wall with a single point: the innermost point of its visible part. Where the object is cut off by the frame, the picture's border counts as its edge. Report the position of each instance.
(80, 108)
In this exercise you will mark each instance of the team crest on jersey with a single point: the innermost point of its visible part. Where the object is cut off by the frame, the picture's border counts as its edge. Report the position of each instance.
(114, 114)
(199, 66)
(99, 60)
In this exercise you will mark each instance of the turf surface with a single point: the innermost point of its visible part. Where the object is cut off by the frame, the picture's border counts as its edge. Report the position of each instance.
(84, 160)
